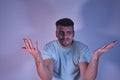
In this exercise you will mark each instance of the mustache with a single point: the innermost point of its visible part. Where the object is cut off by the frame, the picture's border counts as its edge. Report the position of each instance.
(64, 39)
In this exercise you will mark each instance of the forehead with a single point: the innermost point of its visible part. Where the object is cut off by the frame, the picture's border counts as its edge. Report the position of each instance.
(64, 28)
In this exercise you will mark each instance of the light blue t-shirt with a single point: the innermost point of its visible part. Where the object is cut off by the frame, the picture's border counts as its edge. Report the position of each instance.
(66, 60)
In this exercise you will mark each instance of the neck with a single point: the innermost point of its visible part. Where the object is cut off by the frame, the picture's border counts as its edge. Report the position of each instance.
(66, 46)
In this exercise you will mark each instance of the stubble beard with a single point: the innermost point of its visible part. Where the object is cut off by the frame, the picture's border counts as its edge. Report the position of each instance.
(65, 42)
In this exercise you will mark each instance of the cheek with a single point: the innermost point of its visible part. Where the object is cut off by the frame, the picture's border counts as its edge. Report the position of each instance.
(71, 36)
(59, 37)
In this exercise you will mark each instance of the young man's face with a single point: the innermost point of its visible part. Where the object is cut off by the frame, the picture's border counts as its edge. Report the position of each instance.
(65, 35)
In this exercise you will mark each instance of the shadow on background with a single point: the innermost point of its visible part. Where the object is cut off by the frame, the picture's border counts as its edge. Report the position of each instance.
(101, 25)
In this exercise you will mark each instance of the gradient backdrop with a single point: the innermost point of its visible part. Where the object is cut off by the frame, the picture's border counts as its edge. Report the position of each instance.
(96, 22)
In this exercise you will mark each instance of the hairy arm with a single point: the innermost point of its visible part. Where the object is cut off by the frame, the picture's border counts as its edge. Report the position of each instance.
(89, 71)
(44, 67)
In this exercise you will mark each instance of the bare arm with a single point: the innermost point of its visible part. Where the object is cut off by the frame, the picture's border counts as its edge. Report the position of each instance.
(89, 71)
(44, 67)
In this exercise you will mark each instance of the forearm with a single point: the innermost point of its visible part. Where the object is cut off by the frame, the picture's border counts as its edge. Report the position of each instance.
(92, 68)
(42, 70)
(91, 71)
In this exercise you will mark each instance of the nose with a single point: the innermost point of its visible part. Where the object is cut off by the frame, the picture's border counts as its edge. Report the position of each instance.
(65, 35)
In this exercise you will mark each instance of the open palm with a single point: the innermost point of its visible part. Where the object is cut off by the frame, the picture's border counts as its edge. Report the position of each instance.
(28, 46)
(104, 48)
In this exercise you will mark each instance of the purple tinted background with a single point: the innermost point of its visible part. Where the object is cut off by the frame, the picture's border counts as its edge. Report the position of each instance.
(96, 22)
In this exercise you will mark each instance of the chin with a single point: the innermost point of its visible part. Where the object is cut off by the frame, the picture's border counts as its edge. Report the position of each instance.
(66, 45)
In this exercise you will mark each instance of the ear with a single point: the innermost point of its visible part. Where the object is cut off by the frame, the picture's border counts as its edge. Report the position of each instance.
(56, 34)
(73, 33)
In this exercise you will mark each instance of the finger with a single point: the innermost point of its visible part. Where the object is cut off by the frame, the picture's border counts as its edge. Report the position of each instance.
(31, 44)
(104, 46)
(115, 41)
(111, 44)
(24, 42)
(36, 46)
(23, 47)
(27, 44)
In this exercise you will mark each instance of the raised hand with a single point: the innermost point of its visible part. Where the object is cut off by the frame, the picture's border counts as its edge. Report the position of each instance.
(104, 48)
(29, 47)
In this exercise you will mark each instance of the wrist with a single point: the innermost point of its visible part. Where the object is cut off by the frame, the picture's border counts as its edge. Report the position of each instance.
(95, 56)
(38, 58)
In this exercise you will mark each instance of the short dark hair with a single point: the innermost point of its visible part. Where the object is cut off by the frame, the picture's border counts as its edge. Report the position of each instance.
(65, 22)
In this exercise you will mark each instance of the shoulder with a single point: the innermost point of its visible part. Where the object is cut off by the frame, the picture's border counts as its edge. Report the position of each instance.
(51, 44)
(79, 44)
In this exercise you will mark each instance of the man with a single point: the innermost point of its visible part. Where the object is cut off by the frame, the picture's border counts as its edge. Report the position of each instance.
(66, 58)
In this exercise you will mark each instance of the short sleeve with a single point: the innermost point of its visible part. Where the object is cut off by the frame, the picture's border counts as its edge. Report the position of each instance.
(85, 55)
(46, 52)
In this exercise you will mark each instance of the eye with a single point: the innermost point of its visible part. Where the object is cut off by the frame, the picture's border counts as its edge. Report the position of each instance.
(61, 33)
(69, 32)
